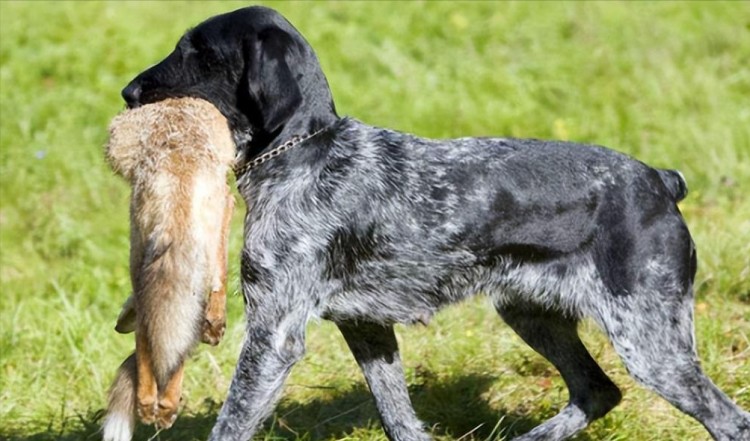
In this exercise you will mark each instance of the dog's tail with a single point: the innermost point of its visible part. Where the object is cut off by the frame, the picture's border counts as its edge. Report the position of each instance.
(119, 420)
(675, 183)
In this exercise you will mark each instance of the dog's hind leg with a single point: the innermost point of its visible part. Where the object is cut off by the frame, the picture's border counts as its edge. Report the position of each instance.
(651, 328)
(376, 351)
(592, 393)
(655, 341)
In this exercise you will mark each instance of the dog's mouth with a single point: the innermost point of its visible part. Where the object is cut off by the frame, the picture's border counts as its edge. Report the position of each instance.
(147, 98)
(135, 96)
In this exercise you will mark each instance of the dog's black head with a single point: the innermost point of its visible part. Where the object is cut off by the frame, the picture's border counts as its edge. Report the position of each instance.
(254, 66)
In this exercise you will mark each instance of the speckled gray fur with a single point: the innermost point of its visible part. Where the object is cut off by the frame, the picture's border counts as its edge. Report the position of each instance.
(370, 227)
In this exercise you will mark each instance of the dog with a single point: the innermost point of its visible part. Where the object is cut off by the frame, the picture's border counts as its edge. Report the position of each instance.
(369, 227)
(176, 155)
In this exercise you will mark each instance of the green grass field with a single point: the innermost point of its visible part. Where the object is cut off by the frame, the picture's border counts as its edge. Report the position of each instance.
(666, 82)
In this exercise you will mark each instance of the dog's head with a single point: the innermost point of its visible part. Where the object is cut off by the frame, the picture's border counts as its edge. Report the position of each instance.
(254, 66)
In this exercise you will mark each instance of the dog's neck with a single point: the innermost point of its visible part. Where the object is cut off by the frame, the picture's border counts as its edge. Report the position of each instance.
(301, 124)
(257, 147)
(242, 167)
(251, 144)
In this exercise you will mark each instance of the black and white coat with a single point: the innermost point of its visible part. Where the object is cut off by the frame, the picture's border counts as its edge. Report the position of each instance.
(370, 227)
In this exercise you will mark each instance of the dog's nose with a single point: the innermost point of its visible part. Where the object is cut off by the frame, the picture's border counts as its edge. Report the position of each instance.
(132, 94)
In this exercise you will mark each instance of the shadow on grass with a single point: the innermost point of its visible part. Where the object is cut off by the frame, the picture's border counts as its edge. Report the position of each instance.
(454, 408)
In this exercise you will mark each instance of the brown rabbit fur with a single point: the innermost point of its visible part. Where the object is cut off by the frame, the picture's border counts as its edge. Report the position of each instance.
(176, 155)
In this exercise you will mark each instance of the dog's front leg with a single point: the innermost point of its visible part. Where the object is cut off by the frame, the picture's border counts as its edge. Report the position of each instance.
(273, 344)
(376, 351)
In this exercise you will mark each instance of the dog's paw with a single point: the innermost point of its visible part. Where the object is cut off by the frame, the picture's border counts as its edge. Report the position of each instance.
(213, 330)
(166, 414)
(147, 411)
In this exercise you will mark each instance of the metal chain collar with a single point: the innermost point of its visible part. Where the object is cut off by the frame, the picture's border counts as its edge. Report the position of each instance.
(295, 140)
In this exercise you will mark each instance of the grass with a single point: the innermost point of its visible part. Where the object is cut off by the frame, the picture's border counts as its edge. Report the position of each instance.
(666, 82)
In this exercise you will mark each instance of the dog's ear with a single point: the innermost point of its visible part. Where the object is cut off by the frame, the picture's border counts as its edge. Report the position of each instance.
(270, 81)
